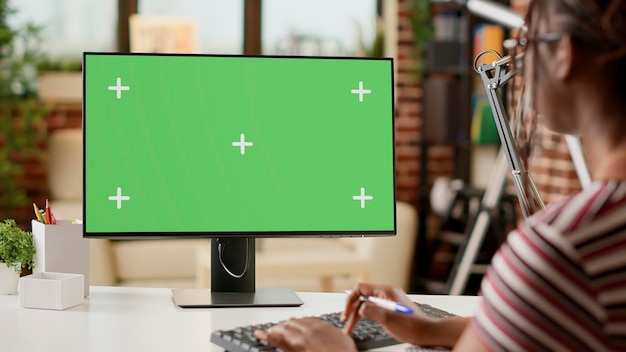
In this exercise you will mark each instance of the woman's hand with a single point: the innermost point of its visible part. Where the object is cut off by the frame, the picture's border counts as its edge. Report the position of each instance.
(306, 334)
(416, 328)
(312, 334)
(404, 327)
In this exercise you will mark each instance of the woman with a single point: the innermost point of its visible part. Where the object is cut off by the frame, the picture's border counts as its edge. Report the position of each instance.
(559, 282)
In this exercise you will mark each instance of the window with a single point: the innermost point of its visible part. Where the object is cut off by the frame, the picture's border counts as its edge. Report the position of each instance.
(322, 27)
(219, 23)
(70, 26)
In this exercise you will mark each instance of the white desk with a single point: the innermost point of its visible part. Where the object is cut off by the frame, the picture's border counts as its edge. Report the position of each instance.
(146, 319)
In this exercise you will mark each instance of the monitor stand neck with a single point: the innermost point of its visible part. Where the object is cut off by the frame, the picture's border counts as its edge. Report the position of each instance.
(233, 280)
(233, 264)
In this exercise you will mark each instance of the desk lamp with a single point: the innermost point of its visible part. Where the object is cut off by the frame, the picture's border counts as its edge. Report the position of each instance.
(497, 74)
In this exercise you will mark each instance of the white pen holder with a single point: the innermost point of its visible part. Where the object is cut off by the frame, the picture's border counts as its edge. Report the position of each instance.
(61, 248)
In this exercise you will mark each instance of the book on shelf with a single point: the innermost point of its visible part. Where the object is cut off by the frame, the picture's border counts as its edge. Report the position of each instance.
(483, 127)
(488, 37)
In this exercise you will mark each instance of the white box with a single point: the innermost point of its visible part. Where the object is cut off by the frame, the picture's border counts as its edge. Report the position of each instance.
(51, 290)
(61, 248)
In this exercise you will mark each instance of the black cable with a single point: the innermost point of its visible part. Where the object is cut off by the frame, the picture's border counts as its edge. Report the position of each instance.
(245, 269)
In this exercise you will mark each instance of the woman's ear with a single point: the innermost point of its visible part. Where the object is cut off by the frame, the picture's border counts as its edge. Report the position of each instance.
(565, 58)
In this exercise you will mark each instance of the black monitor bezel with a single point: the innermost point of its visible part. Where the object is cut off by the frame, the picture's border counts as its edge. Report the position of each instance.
(256, 234)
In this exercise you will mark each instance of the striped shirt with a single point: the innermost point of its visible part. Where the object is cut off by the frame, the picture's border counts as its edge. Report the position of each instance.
(559, 281)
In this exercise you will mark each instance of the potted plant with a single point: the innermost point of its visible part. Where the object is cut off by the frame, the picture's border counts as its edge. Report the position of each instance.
(17, 251)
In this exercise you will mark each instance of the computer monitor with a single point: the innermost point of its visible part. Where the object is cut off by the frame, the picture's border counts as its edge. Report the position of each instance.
(235, 148)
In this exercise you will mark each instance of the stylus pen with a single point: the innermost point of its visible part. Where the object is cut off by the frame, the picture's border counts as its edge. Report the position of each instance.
(387, 304)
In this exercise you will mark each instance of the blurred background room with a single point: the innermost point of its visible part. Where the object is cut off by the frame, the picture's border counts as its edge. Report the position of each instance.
(445, 143)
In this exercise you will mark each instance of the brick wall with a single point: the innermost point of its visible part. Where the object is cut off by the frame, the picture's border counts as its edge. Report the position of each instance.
(552, 168)
(408, 120)
(408, 110)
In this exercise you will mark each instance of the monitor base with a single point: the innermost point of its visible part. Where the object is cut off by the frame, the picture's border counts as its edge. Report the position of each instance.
(262, 297)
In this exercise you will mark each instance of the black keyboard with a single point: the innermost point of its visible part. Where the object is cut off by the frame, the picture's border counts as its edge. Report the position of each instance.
(367, 334)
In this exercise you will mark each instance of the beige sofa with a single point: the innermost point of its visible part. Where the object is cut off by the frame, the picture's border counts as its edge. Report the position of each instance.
(310, 264)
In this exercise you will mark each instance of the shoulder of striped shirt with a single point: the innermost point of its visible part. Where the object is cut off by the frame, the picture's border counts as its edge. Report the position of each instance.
(598, 197)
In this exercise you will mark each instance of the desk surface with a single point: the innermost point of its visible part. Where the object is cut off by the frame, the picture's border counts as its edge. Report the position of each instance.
(146, 319)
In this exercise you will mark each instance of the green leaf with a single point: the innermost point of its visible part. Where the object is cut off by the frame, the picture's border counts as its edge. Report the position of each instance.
(17, 247)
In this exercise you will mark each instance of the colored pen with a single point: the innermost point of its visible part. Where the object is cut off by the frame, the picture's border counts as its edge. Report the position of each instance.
(43, 216)
(51, 219)
(387, 304)
(38, 214)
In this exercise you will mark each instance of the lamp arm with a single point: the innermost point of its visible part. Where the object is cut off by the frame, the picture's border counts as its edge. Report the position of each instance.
(495, 76)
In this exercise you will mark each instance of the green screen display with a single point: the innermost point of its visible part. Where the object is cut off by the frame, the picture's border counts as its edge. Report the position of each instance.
(233, 144)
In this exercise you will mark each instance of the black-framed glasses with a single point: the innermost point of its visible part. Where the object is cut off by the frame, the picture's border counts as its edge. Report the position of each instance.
(523, 42)
(517, 46)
